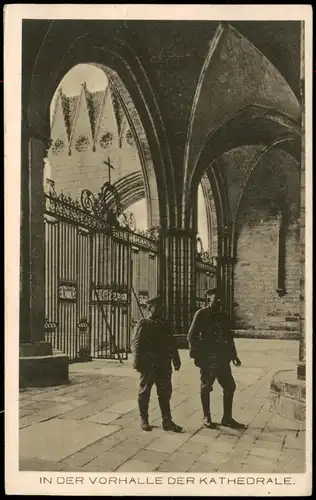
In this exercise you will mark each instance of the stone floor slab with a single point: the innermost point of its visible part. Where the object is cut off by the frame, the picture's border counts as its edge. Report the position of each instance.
(55, 411)
(136, 466)
(76, 461)
(56, 439)
(102, 445)
(107, 462)
(153, 457)
(201, 467)
(294, 441)
(269, 453)
(168, 443)
(268, 445)
(123, 407)
(179, 462)
(83, 412)
(36, 464)
(28, 420)
(106, 392)
(104, 417)
(193, 447)
(213, 457)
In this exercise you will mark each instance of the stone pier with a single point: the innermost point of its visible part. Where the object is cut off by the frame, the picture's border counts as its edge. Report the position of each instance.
(38, 364)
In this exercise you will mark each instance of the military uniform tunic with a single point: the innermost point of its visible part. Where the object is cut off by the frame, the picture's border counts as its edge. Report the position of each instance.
(154, 348)
(213, 348)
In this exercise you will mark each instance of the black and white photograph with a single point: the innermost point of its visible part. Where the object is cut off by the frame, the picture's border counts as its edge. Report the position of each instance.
(159, 269)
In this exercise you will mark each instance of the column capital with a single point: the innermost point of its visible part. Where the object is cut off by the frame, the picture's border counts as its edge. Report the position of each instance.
(225, 230)
(35, 134)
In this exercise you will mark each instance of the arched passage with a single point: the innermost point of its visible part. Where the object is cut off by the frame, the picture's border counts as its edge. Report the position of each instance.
(128, 77)
(259, 117)
(253, 125)
(92, 128)
(267, 269)
(211, 217)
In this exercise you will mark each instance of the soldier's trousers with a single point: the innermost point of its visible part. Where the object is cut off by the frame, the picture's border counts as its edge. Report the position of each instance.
(222, 372)
(162, 381)
(209, 372)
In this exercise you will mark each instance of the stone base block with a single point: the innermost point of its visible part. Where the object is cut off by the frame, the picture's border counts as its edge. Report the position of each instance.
(35, 349)
(43, 371)
(288, 395)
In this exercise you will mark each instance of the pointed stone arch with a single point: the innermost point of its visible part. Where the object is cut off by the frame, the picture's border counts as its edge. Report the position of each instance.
(275, 145)
(235, 75)
(210, 215)
(128, 76)
(241, 99)
(131, 189)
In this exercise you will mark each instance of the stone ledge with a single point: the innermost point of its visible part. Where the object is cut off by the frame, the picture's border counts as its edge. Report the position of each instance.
(182, 342)
(266, 334)
(288, 395)
(43, 371)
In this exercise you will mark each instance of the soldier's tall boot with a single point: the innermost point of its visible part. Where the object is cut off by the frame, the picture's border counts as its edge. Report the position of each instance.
(143, 405)
(167, 422)
(206, 401)
(227, 420)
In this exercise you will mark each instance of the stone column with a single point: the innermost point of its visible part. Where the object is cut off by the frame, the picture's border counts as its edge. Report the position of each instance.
(226, 277)
(25, 335)
(226, 264)
(38, 365)
(177, 275)
(32, 334)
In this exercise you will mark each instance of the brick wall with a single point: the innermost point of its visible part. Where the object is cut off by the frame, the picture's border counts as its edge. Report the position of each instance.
(258, 306)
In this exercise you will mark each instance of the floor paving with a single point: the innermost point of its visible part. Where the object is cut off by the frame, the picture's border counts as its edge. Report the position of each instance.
(92, 423)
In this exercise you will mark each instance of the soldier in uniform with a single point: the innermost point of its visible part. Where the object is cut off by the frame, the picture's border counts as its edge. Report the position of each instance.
(154, 348)
(213, 348)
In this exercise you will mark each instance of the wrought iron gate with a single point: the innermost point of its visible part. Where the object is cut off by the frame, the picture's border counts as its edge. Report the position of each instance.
(205, 274)
(91, 286)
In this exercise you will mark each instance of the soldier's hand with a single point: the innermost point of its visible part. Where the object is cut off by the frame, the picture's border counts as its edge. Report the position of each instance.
(237, 362)
(177, 366)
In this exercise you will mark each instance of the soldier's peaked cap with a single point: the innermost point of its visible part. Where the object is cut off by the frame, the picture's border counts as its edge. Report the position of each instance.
(153, 301)
(211, 291)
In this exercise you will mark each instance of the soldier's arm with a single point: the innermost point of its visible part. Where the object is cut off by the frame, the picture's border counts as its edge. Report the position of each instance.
(233, 348)
(194, 329)
(230, 337)
(173, 348)
(175, 355)
(136, 345)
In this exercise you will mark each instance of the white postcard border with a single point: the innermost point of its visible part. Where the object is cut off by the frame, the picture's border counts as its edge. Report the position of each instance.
(17, 482)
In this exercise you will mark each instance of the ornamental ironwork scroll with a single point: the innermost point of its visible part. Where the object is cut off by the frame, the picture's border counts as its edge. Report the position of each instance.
(203, 258)
(102, 211)
(127, 219)
(105, 205)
